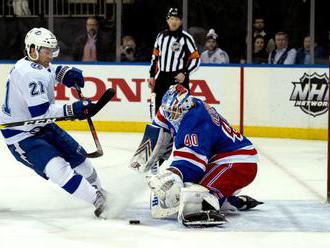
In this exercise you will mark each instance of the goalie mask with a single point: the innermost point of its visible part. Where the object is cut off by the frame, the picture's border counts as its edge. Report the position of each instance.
(39, 38)
(175, 103)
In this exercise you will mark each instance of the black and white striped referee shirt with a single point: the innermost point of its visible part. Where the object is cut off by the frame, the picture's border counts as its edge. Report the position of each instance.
(174, 52)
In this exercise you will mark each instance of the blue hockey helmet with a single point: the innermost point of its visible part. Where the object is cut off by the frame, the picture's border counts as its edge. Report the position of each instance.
(176, 102)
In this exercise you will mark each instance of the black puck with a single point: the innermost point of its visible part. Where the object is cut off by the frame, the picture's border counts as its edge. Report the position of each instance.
(134, 222)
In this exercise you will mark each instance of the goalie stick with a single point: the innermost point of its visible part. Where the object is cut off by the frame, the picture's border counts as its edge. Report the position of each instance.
(152, 106)
(105, 98)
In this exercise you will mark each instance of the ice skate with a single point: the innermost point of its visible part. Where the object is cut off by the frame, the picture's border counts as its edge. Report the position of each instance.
(246, 202)
(101, 205)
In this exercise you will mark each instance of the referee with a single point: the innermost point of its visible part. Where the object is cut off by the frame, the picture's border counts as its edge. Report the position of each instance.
(174, 55)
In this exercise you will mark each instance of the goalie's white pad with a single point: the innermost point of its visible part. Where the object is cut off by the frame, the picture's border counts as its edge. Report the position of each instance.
(159, 210)
(155, 144)
(167, 187)
(193, 199)
(164, 199)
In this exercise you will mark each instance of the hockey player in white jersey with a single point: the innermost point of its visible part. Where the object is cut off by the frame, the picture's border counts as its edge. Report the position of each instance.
(45, 148)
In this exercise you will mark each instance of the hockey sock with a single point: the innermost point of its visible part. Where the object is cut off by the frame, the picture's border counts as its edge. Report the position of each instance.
(87, 170)
(83, 190)
(59, 172)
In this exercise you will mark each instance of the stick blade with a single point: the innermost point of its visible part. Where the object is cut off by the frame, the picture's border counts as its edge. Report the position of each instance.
(94, 154)
(105, 98)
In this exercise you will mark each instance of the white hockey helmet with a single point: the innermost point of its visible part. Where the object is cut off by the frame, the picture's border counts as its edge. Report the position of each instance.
(176, 102)
(41, 37)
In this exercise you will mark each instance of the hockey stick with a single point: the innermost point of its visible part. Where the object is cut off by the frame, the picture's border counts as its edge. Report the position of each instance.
(99, 151)
(105, 98)
(152, 106)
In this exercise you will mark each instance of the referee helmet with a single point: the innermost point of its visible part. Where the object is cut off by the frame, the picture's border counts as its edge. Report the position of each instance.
(174, 12)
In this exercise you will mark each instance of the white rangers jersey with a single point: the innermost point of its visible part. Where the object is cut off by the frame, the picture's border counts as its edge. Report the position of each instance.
(29, 94)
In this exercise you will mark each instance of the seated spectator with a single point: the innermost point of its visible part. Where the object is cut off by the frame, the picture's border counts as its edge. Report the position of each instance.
(213, 54)
(282, 54)
(259, 55)
(259, 30)
(304, 53)
(129, 51)
(93, 45)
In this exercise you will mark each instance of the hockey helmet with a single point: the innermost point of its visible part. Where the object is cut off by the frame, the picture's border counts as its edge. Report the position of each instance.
(38, 38)
(176, 102)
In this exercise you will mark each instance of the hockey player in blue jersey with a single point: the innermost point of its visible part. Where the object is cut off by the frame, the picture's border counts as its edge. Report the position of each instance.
(210, 163)
(47, 149)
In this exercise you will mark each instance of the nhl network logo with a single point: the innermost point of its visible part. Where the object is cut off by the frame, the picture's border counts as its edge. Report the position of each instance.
(311, 94)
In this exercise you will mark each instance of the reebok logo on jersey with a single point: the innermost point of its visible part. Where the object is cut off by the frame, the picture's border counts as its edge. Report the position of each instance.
(311, 94)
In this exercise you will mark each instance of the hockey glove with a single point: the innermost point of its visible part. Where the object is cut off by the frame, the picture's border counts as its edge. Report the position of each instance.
(69, 76)
(79, 109)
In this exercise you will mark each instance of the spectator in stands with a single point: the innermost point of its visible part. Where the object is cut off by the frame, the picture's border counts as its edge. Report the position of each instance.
(259, 54)
(129, 51)
(93, 45)
(213, 54)
(259, 30)
(304, 53)
(283, 54)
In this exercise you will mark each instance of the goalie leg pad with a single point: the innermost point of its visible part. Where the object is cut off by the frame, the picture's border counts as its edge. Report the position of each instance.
(198, 207)
(155, 143)
(209, 218)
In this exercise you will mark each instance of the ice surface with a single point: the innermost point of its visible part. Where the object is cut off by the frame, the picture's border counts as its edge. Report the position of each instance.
(291, 181)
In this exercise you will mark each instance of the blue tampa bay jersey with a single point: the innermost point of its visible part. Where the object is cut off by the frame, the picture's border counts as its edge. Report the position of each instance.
(205, 137)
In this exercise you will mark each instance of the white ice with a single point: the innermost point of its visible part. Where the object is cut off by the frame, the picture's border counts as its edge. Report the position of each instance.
(291, 181)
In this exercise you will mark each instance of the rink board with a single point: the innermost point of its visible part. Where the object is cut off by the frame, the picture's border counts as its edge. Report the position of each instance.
(269, 107)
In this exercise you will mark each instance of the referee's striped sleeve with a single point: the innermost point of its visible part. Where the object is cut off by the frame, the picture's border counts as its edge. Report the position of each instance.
(155, 56)
(194, 57)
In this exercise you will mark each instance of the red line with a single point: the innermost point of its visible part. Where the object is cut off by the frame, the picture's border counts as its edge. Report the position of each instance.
(241, 114)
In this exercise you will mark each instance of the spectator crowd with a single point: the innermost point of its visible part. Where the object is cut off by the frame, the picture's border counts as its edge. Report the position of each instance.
(96, 43)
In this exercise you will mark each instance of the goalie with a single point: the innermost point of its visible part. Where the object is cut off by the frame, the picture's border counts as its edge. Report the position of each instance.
(211, 162)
